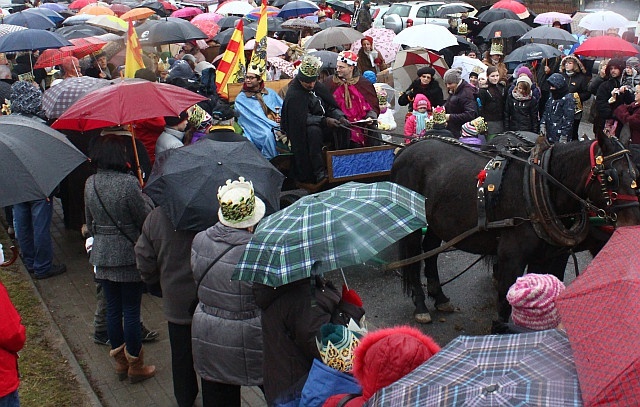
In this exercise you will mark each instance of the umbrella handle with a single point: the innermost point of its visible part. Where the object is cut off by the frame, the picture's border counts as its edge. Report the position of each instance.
(344, 278)
(135, 154)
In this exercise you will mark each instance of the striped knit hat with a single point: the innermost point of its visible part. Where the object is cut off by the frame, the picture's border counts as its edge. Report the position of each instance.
(533, 299)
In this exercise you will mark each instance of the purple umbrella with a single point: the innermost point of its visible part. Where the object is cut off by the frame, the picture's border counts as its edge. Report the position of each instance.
(57, 7)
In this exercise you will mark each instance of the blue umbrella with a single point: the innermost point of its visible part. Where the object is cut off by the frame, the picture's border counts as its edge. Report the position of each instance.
(57, 7)
(29, 20)
(297, 8)
(32, 40)
(50, 14)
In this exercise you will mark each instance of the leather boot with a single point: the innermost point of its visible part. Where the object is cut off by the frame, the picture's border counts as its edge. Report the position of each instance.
(122, 365)
(137, 370)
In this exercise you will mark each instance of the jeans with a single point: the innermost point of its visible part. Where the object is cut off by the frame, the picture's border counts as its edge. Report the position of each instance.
(185, 380)
(10, 400)
(123, 314)
(100, 316)
(31, 222)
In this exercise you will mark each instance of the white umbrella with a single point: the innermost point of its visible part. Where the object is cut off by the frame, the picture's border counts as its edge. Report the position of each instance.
(429, 36)
(552, 16)
(240, 8)
(274, 47)
(603, 20)
(468, 65)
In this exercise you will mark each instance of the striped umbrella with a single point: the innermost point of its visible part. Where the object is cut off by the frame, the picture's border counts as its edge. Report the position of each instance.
(408, 61)
(255, 13)
(10, 28)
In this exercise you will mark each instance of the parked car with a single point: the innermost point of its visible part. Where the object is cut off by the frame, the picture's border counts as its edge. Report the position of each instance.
(402, 15)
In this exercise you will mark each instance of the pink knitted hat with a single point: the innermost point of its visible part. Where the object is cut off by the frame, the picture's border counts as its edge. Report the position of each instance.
(533, 298)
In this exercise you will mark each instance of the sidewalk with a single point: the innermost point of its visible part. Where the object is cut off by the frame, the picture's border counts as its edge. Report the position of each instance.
(70, 299)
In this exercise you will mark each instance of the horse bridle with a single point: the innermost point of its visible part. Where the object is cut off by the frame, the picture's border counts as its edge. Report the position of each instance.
(608, 179)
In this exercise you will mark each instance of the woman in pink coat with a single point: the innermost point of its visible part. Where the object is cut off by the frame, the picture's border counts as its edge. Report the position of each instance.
(12, 338)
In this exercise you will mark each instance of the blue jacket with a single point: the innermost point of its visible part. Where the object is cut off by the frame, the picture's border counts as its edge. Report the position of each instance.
(324, 382)
(558, 117)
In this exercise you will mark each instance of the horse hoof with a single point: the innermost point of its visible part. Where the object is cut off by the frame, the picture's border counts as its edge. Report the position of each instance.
(423, 318)
(445, 307)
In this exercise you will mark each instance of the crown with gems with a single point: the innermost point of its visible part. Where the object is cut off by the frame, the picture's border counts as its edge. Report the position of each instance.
(310, 66)
(479, 124)
(496, 49)
(439, 115)
(463, 29)
(241, 205)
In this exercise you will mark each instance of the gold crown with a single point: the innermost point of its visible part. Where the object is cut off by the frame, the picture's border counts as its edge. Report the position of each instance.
(339, 358)
(163, 65)
(479, 124)
(439, 115)
(239, 204)
(428, 124)
(310, 66)
(463, 29)
(496, 48)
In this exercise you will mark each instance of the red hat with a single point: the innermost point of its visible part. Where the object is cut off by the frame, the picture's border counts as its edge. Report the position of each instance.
(367, 38)
(348, 57)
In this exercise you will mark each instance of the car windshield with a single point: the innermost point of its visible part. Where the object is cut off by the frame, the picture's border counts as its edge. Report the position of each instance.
(400, 9)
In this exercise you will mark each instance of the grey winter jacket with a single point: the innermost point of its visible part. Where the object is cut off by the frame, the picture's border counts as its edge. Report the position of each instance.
(163, 255)
(226, 331)
(123, 199)
(168, 139)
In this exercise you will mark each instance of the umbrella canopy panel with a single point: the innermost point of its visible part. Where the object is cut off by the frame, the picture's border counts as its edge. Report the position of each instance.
(532, 369)
(548, 35)
(333, 37)
(31, 40)
(532, 52)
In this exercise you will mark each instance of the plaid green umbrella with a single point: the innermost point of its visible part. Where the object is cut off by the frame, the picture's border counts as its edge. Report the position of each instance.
(344, 226)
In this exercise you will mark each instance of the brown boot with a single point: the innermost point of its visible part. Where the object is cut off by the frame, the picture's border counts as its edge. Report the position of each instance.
(122, 365)
(137, 370)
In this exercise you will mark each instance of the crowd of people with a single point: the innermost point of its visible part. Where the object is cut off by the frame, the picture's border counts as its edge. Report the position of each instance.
(231, 333)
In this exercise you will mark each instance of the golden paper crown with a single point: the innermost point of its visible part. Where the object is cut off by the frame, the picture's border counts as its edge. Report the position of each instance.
(439, 115)
(496, 48)
(479, 124)
(163, 65)
(428, 124)
(237, 200)
(339, 357)
(463, 29)
(310, 66)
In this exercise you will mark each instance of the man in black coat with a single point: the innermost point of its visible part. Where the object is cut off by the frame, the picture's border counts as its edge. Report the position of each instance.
(309, 113)
(604, 109)
(461, 106)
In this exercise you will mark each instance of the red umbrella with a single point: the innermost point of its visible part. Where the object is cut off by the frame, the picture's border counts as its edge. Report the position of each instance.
(606, 46)
(186, 12)
(517, 7)
(119, 9)
(168, 6)
(208, 27)
(78, 4)
(81, 48)
(601, 313)
(125, 102)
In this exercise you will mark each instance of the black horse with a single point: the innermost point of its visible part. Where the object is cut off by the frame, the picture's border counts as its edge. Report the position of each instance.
(599, 178)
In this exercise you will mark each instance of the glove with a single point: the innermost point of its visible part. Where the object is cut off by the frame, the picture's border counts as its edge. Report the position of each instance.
(563, 139)
(331, 122)
(543, 130)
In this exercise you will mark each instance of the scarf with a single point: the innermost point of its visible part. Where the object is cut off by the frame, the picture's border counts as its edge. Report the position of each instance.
(519, 96)
(345, 83)
(421, 119)
(258, 94)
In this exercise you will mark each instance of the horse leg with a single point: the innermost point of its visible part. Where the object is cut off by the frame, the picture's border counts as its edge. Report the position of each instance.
(555, 266)
(430, 242)
(412, 285)
(510, 266)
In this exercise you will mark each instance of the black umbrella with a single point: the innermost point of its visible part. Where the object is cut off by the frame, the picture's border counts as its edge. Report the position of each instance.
(155, 6)
(80, 31)
(228, 22)
(172, 30)
(223, 37)
(329, 59)
(532, 52)
(545, 35)
(29, 20)
(34, 158)
(450, 9)
(280, 3)
(495, 14)
(332, 23)
(337, 5)
(273, 24)
(185, 181)
(506, 29)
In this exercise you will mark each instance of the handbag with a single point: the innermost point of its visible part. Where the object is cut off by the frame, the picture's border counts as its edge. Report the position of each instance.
(194, 303)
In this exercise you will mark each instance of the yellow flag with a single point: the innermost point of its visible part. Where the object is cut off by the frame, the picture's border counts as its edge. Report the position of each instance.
(259, 56)
(133, 57)
(231, 68)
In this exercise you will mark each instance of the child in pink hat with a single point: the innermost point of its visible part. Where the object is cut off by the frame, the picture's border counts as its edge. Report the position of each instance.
(533, 301)
(416, 122)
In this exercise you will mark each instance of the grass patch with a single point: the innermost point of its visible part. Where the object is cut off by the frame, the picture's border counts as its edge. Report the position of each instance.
(46, 378)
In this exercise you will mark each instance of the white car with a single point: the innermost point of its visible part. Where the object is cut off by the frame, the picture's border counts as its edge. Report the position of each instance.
(402, 15)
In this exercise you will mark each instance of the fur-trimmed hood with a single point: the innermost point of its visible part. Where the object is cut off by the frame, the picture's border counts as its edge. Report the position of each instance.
(576, 61)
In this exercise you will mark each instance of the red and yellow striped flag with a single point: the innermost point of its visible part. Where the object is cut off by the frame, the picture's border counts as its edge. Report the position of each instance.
(133, 56)
(231, 68)
(259, 55)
